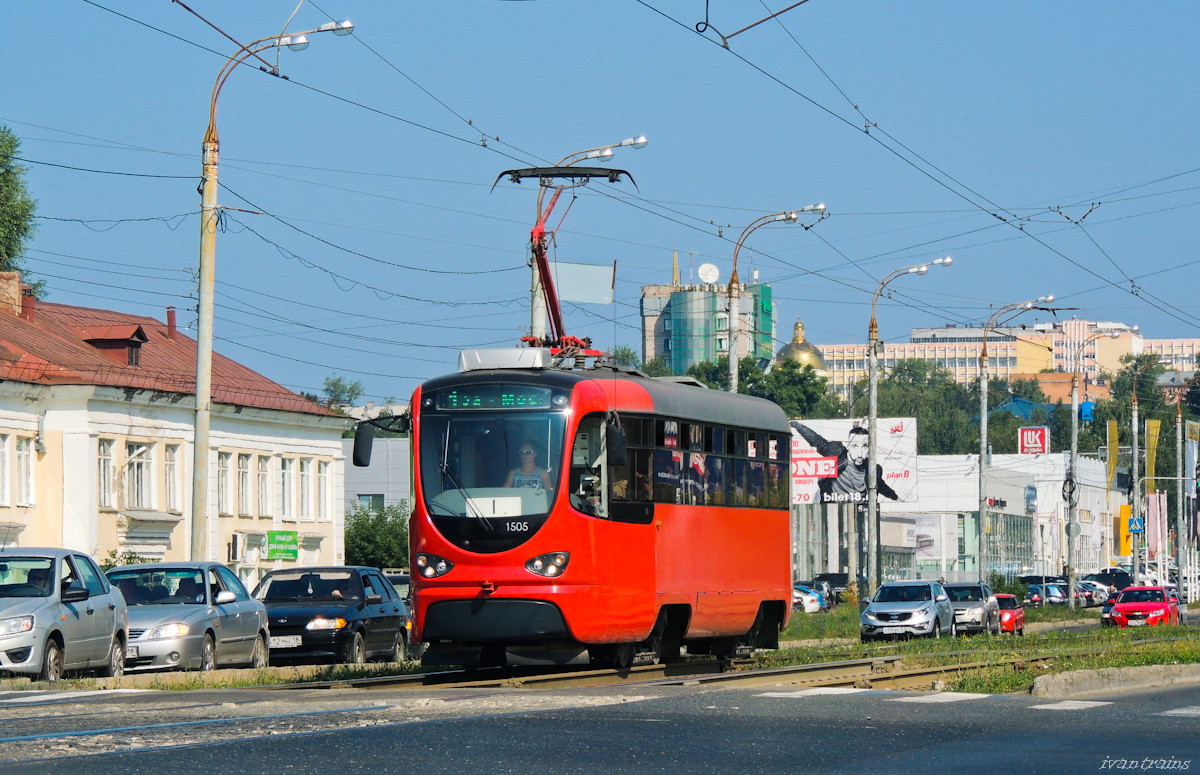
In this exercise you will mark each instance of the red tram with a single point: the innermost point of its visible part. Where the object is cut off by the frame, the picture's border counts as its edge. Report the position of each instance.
(653, 516)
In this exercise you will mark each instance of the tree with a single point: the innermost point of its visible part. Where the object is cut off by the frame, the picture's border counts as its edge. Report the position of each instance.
(713, 374)
(339, 392)
(377, 539)
(17, 209)
(797, 390)
(624, 356)
(658, 366)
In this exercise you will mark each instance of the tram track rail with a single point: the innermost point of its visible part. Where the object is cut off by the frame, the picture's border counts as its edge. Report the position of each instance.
(876, 671)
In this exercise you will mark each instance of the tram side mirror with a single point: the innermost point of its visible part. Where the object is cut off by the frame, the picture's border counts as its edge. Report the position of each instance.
(364, 438)
(614, 443)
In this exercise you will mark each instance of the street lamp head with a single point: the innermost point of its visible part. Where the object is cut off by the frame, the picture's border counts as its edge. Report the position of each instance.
(1045, 299)
(923, 269)
(813, 208)
(633, 142)
(604, 154)
(1134, 330)
(294, 42)
(344, 27)
(947, 261)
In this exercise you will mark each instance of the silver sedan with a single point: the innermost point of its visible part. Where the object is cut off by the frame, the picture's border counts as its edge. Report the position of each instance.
(190, 616)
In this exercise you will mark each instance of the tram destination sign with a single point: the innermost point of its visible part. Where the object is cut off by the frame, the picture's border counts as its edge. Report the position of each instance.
(494, 397)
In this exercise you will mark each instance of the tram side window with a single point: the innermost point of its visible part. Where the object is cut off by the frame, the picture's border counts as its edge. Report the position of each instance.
(757, 495)
(631, 482)
(715, 468)
(587, 467)
(666, 476)
(719, 441)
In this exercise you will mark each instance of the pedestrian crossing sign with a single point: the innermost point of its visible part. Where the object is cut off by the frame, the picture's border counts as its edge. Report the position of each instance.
(1136, 525)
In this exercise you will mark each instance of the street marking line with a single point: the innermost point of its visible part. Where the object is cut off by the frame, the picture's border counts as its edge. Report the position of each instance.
(941, 697)
(1190, 710)
(1072, 705)
(816, 690)
(34, 696)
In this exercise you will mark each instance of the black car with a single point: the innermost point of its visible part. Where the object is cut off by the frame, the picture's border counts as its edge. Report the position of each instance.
(339, 614)
(837, 581)
(1111, 577)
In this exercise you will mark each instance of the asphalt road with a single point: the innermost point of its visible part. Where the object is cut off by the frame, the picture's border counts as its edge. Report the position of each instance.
(645, 729)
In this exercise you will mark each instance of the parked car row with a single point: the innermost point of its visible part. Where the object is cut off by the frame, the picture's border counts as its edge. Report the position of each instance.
(59, 613)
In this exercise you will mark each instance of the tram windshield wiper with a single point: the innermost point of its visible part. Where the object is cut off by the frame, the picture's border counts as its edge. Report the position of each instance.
(468, 504)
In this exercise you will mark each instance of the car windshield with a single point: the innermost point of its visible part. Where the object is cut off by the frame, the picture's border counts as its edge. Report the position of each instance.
(491, 463)
(1141, 596)
(26, 576)
(909, 593)
(1008, 603)
(160, 586)
(963, 594)
(310, 585)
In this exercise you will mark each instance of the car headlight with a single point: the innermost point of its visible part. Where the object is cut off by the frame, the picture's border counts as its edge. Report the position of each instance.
(868, 614)
(322, 623)
(1159, 612)
(173, 630)
(922, 613)
(17, 624)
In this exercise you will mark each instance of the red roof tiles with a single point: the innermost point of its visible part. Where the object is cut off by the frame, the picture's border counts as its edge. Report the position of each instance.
(53, 349)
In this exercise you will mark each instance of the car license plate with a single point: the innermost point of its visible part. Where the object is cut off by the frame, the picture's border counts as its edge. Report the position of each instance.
(892, 630)
(285, 641)
(1136, 622)
(131, 652)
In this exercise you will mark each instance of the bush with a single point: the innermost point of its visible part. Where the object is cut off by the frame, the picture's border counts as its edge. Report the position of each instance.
(377, 539)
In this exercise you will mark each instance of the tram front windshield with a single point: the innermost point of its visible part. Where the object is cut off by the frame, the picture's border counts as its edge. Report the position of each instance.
(491, 464)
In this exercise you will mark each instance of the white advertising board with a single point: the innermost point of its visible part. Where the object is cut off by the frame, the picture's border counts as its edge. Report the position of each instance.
(829, 460)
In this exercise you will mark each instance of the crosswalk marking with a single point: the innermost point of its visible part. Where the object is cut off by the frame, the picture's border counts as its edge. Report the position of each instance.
(1190, 710)
(1071, 705)
(814, 691)
(940, 697)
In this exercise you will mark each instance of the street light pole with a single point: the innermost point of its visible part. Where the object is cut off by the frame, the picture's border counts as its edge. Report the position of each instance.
(874, 545)
(1016, 308)
(790, 216)
(537, 298)
(1135, 539)
(1071, 487)
(209, 217)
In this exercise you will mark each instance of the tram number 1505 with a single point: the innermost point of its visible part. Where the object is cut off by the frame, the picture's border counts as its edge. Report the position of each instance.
(517, 527)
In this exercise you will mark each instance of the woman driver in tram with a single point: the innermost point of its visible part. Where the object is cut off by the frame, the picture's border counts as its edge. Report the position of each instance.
(529, 473)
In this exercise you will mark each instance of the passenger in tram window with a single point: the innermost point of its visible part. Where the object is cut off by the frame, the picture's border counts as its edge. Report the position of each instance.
(529, 473)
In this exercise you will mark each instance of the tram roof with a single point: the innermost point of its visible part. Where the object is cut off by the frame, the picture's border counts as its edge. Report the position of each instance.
(672, 399)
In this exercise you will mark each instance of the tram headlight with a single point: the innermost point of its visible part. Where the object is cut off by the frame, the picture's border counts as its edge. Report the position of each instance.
(431, 566)
(552, 564)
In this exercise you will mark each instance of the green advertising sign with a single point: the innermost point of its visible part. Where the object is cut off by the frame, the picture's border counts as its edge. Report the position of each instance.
(282, 545)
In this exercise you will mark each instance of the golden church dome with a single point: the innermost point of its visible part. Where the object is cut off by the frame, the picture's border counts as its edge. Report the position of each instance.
(801, 351)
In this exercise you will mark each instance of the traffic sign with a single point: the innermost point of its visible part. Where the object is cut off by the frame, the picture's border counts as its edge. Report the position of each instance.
(1072, 529)
(1136, 525)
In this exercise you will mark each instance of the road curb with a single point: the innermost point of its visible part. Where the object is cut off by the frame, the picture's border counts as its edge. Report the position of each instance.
(1078, 683)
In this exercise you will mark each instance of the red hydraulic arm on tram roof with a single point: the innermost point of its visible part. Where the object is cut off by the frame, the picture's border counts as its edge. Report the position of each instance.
(557, 339)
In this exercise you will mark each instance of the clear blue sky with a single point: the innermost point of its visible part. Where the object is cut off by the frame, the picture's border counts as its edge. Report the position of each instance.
(381, 251)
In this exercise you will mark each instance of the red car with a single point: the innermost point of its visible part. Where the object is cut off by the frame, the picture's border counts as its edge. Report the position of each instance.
(1012, 615)
(1144, 607)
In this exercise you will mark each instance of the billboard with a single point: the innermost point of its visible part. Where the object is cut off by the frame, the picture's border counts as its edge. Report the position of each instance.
(829, 460)
(1033, 440)
(936, 534)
